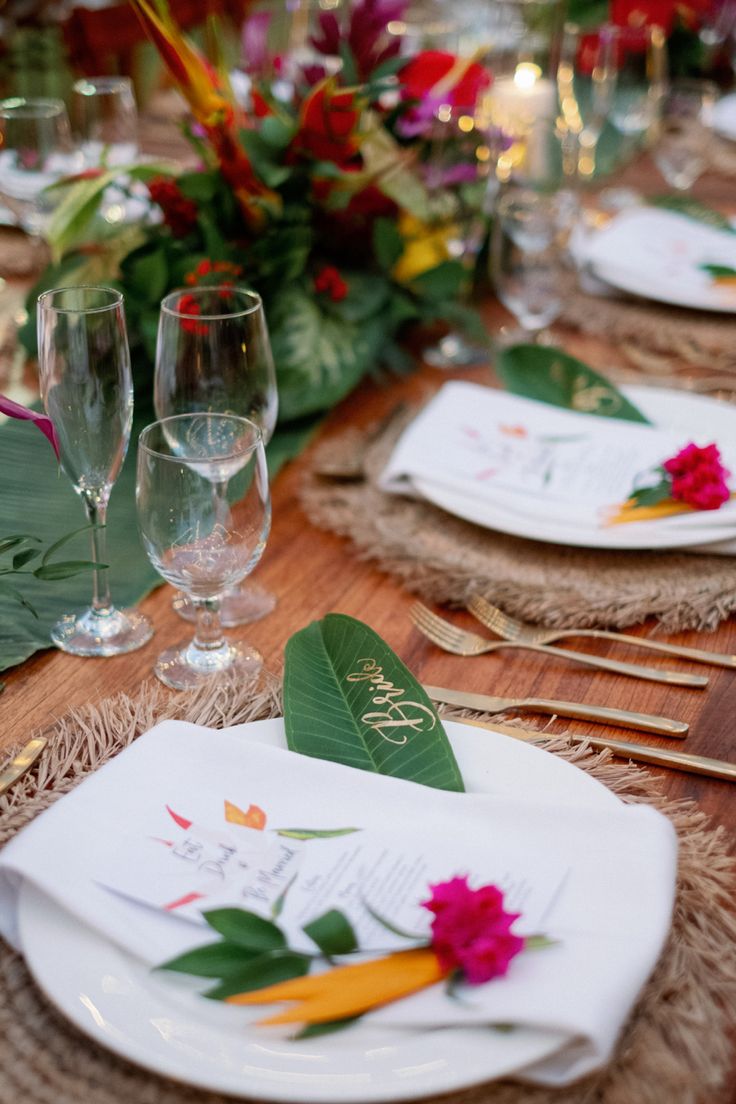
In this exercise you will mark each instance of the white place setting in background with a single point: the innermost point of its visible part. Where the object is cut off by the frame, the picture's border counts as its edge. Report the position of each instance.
(560, 470)
(659, 255)
(724, 117)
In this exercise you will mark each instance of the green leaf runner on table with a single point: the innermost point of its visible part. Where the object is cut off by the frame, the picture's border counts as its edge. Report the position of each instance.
(692, 209)
(349, 698)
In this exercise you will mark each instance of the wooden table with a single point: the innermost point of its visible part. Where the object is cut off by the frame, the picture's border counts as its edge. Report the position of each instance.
(314, 572)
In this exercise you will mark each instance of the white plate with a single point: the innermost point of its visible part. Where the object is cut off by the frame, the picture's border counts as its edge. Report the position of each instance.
(724, 117)
(158, 1022)
(678, 410)
(658, 254)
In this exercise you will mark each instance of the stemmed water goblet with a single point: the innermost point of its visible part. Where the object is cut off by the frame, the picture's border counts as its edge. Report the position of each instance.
(586, 76)
(87, 390)
(204, 516)
(681, 154)
(213, 353)
(526, 260)
(105, 120)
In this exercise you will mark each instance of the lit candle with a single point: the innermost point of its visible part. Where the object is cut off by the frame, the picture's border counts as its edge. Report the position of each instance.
(516, 104)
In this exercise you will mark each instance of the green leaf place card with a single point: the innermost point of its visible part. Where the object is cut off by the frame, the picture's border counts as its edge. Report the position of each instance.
(349, 698)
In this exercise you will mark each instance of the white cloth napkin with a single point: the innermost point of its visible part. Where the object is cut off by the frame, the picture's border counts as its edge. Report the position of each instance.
(610, 913)
(659, 254)
(525, 459)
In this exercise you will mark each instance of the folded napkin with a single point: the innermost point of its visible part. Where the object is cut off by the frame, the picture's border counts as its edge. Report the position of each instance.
(599, 878)
(526, 459)
(660, 253)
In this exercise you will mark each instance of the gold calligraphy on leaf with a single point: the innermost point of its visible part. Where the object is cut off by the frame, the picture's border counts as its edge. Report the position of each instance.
(397, 713)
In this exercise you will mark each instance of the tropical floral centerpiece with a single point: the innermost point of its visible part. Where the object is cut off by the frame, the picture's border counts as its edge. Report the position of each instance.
(318, 197)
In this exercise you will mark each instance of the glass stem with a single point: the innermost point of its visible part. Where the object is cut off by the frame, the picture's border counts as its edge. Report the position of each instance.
(101, 600)
(209, 636)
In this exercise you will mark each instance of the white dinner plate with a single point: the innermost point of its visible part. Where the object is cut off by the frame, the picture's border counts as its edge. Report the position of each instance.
(658, 254)
(694, 415)
(159, 1022)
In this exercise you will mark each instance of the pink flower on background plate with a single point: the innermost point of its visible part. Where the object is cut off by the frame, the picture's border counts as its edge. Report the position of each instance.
(698, 477)
(471, 931)
(42, 421)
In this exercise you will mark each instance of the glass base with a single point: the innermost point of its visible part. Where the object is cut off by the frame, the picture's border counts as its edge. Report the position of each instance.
(508, 336)
(237, 607)
(454, 351)
(93, 634)
(187, 667)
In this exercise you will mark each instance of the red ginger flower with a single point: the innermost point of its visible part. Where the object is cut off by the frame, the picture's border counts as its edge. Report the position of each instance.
(328, 123)
(328, 280)
(471, 930)
(438, 73)
(180, 213)
(698, 477)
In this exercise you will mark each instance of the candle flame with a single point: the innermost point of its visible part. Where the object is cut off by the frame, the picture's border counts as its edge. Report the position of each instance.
(527, 74)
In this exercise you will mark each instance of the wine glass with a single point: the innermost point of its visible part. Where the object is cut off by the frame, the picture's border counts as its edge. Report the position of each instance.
(639, 57)
(36, 150)
(457, 159)
(681, 155)
(213, 353)
(526, 260)
(204, 516)
(87, 391)
(106, 120)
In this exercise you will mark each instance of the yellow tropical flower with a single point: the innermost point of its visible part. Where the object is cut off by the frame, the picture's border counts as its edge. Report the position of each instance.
(425, 247)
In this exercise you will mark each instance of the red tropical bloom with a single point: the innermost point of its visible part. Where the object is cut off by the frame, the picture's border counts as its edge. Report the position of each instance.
(328, 281)
(180, 213)
(434, 73)
(328, 124)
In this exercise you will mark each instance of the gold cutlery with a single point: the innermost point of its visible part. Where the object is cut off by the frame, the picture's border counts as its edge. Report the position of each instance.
(658, 757)
(510, 628)
(20, 763)
(619, 718)
(464, 643)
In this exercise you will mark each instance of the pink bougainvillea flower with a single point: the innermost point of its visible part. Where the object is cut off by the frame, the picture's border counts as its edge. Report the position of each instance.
(471, 931)
(42, 421)
(698, 477)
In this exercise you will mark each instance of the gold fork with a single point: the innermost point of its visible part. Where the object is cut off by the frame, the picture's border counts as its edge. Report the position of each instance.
(512, 629)
(462, 642)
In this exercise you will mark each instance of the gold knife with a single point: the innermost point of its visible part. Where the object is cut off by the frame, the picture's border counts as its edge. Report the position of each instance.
(20, 763)
(619, 718)
(658, 757)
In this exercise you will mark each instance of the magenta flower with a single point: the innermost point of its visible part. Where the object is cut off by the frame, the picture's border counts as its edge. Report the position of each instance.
(44, 423)
(366, 33)
(698, 477)
(471, 931)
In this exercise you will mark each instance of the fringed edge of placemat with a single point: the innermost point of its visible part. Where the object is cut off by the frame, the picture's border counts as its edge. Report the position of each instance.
(675, 1048)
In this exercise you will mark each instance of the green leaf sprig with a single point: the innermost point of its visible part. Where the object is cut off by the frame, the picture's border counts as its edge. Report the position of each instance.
(24, 549)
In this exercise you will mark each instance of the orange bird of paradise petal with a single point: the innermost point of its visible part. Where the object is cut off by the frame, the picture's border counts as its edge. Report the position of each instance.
(349, 990)
(254, 817)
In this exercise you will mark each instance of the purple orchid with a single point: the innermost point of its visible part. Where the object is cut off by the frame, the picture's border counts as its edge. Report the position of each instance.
(42, 421)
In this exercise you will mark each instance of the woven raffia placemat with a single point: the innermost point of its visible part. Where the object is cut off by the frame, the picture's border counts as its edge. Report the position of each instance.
(447, 560)
(674, 1049)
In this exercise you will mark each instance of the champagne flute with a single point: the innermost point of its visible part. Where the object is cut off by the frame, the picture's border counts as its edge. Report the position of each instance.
(639, 56)
(586, 76)
(214, 354)
(204, 516)
(87, 390)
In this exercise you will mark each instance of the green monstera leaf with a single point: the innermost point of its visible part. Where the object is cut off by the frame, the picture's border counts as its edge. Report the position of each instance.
(319, 356)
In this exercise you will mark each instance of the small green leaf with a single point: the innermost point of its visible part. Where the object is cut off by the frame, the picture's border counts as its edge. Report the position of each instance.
(199, 186)
(349, 72)
(312, 1031)
(278, 906)
(389, 926)
(265, 969)
(539, 942)
(15, 594)
(388, 244)
(216, 960)
(442, 282)
(719, 271)
(277, 132)
(6, 543)
(246, 929)
(314, 833)
(333, 933)
(20, 559)
(551, 376)
(651, 496)
(62, 541)
(65, 569)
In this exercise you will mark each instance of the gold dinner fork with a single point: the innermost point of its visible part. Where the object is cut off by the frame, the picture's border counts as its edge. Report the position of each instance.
(462, 642)
(511, 629)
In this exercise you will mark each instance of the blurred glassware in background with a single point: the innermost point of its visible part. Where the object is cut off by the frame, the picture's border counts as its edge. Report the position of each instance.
(681, 154)
(281, 41)
(586, 78)
(639, 58)
(36, 150)
(718, 24)
(213, 354)
(204, 515)
(527, 260)
(105, 120)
